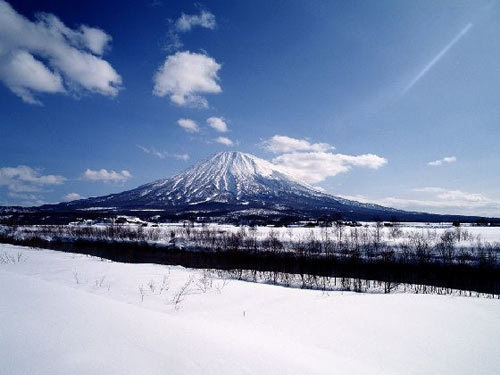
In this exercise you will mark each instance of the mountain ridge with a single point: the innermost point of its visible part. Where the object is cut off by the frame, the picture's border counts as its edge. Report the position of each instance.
(229, 177)
(234, 186)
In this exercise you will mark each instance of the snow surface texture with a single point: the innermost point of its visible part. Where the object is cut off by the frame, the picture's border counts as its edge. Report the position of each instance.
(65, 314)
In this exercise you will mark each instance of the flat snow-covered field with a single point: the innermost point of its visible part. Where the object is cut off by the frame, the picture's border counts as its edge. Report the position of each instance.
(63, 313)
(474, 233)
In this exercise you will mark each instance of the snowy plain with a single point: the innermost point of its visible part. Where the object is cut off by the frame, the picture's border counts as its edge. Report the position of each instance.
(293, 233)
(63, 313)
(471, 234)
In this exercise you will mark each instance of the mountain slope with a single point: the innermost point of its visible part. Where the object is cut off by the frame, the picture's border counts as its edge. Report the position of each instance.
(232, 186)
(235, 182)
(227, 177)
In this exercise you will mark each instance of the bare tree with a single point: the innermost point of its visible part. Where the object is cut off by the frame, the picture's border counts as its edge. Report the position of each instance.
(142, 292)
(181, 294)
(446, 246)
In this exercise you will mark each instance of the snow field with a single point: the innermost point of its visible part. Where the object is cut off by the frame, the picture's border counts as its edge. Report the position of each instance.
(64, 313)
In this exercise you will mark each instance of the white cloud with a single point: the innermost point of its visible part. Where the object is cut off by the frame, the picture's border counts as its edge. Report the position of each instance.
(26, 179)
(184, 76)
(187, 21)
(95, 39)
(314, 162)
(45, 56)
(217, 123)
(281, 144)
(22, 74)
(188, 125)
(225, 141)
(431, 189)
(439, 200)
(314, 167)
(173, 41)
(72, 197)
(23, 199)
(163, 154)
(445, 160)
(453, 195)
(106, 176)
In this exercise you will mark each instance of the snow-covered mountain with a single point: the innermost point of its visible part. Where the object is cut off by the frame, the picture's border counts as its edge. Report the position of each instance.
(227, 177)
(233, 182)
(234, 186)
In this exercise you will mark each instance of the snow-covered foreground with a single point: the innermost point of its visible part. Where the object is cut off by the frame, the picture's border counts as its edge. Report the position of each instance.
(63, 313)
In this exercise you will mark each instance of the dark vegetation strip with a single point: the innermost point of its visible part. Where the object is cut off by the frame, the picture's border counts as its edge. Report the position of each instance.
(466, 277)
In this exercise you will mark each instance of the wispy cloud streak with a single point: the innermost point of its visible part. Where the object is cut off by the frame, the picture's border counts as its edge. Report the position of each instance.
(438, 57)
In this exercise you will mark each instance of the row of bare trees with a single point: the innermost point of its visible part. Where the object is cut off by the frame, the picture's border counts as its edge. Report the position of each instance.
(374, 243)
(330, 283)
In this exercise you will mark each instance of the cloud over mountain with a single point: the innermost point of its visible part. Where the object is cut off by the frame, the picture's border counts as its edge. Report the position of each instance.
(106, 176)
(282, 143)
(314, 167)
(314, 162)
(224, 141)
(217, 123)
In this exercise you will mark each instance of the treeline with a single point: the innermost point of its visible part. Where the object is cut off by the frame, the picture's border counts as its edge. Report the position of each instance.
(351, 284)
(451, 259)
(367, 244)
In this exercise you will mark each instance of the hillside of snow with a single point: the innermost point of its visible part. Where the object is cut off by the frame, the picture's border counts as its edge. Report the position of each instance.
(230, 187)
(232, 181)
(223, 178)
(63, 313)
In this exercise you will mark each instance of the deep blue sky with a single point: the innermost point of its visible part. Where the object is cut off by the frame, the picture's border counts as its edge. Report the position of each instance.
(332, 72)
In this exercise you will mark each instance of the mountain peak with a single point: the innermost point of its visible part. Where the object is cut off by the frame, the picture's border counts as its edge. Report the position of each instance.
(238, 164)
(230, 154)
(234, 183)
(227, 177)
(231, 175)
